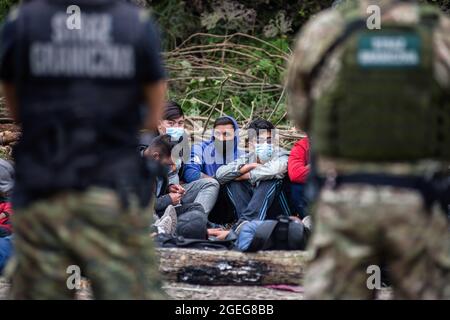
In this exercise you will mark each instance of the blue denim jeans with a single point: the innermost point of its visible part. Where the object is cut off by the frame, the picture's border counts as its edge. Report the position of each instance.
(5, 251)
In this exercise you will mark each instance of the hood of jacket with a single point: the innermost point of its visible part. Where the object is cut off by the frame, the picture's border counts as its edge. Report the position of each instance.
(212, 159)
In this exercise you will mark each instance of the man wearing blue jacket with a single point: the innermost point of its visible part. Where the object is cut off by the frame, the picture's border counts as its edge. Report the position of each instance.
(207, 157)
(210, 155)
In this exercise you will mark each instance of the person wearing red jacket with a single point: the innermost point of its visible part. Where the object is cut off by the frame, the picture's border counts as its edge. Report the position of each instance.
(5, 220)
(6, 184)
(298, 171)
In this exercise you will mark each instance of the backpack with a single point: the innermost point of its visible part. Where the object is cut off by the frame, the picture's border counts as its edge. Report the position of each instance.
(281, 234)
(385, 103)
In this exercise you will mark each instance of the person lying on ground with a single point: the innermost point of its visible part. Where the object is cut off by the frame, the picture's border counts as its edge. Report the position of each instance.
(244, 233)
(298, 171)
(255, 179)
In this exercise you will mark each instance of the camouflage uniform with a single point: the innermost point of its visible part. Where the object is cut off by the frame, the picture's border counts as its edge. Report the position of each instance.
(88, 229)
(358, 225)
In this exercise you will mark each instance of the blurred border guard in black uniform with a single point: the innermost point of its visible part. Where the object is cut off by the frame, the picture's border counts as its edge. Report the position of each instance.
(79, 194)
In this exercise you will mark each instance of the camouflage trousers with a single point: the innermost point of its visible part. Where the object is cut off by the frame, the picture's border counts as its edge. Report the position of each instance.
(357, 226)
(90, 230)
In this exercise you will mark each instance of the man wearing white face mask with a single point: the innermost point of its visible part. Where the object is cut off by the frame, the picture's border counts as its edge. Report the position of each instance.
(255, 180)
(203, 191)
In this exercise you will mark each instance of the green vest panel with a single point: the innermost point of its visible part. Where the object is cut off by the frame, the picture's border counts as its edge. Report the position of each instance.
(385, 104)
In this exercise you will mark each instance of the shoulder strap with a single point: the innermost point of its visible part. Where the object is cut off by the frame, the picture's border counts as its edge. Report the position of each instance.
(262, 236)
(350, 29)
(429, 14)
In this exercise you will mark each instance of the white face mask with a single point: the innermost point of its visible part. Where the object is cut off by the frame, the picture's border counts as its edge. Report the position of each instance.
(175, 132)
(264, 151)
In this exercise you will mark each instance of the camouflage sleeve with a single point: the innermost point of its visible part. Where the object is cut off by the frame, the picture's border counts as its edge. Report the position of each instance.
(442, 52)
(312, 42)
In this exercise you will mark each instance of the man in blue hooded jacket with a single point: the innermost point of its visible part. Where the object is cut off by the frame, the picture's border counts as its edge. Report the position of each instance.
(208, 156)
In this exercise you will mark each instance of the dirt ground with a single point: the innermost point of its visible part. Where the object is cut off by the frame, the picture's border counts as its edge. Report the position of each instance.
(183, 291)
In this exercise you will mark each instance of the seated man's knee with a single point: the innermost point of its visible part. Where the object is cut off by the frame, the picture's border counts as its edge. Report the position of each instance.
(234, 185)
(210, 182)
(271, 183)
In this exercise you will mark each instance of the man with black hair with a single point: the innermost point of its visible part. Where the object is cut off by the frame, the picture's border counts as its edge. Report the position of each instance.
(208, 156)
(222, 148)
(170, 202)
(171, 123)
(203, 191)
(255, 180)
(160, 150)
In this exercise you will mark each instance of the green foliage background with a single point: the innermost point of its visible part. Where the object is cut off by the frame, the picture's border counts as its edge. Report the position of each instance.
(229, 56)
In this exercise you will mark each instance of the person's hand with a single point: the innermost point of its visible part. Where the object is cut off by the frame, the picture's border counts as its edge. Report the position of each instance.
(2, 215)
(254, 165)
(249, 167)
(214, 231)
(176, 198)
(176, 188)
(244, 177)
(218, 233)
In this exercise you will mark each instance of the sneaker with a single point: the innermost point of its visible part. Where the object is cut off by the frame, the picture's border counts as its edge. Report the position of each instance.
(238, 226)
(168, 222)
(307, 222)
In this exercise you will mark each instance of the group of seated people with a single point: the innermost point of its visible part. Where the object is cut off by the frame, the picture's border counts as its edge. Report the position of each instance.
(219, 180)
(211, 187)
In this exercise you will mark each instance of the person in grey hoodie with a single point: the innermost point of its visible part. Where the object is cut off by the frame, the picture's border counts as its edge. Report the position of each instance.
(255, 180)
